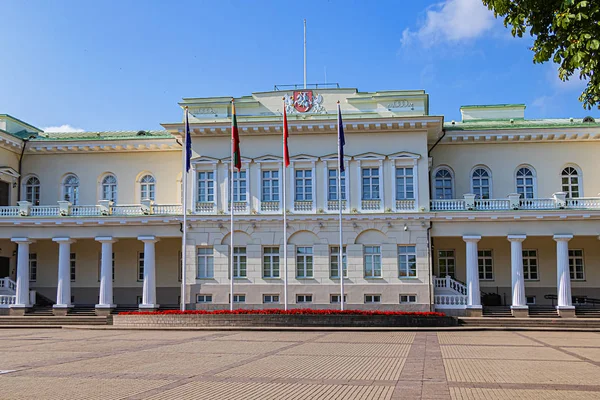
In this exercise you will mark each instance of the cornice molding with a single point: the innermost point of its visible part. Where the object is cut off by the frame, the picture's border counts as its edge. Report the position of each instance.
(111, 146)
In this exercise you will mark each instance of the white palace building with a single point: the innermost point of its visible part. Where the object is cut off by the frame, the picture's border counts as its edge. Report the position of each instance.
(459, 216)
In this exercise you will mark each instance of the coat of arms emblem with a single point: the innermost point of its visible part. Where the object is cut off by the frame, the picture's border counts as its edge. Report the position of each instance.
(303, 100)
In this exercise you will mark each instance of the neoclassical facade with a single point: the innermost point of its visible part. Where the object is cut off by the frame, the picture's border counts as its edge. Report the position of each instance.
(491, 210)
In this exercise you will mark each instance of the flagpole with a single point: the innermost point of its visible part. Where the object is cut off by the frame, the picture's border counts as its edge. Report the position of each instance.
(184, 205)
(231, 211)
(339, 187)
(283, 197)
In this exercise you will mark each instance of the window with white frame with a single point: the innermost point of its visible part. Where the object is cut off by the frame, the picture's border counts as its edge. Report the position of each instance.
(147, 188)
(407, 262)
(570, 182)
(238, 298)
(270, 298)
(530, 300)
(408, 298)
(304, 262)
(486, 265)
(444, 189)
(140, 267)
(525, 183)
(32, 267)
(370, 183)
(372, 260)
(71, 189)
(204, 298)
(481, 183)
(372, 298)
(332, 186)
(73, 266)
(304, 298)
(530, 265)
(576, 266)
(206, 269)
(446, 263)
(109, 188)
(206, 186)
(240, 186)
(334, 262)
(100, 266)
(303, 184)
(270, 185)
(405, 189)
(239, 262)
(271, 262)
(32, 190)
(335, 298)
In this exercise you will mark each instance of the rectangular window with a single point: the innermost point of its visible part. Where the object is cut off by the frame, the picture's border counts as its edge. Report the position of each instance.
(405, 188)
(335, 298)
(270, 298)
(407, 262)
(271, 262)
(73, 266)
(530, 265)
(334, 263)
(370, 184)
(204, 298)
(270, 186)
(372, 298)
(372, 259)
(530, 299)
(32, 267)
(206, 186)
(486, 265)
(576, 267)
(303, 185)
(206, 269)
(304, 262)
(100, 266)
(239, 186)
(239, 262)
(408, 298)
(304, 298)
(446, 263)
(140, 266)
(332, 186)
(238, 298)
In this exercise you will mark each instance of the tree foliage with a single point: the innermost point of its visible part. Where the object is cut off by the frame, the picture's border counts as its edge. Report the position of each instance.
(565, 31)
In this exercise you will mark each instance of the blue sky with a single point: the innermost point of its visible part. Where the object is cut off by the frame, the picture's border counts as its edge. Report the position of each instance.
(124, 65)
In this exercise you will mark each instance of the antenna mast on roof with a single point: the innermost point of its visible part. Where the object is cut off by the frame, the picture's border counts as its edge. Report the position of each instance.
(305, 54)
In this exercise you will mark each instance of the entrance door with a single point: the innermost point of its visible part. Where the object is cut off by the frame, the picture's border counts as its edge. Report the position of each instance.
(4, 267)
(4, 194)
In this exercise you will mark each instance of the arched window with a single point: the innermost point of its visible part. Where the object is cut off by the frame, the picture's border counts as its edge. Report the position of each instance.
(481, 183)
(525, 183)
(32, 190)
(109, 188)
(443, 184)
(147, 187)
(71, 189)
(570, 182)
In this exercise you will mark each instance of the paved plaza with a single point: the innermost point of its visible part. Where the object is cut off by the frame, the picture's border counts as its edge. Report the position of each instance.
(116, 364)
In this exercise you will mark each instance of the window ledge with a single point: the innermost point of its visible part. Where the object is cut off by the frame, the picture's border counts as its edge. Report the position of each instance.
(408, 277)
(205, 279)
(271, 279)
(374, 278)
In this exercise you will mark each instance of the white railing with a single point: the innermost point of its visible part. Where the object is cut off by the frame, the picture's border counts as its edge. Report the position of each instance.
(334, 205)
(205, 207)
(127, 209)
(9, 211)
(269, 207)
(168, 209)
(44, 211)
(371, 205)
(405, 205)
(448, 205)
(7, 299)
(303, 206)
(8, 284)
(492, 204)
(239, 207)
(537, 204)
(450, 301)
(583, 203)
(449, 283)
(85, 211)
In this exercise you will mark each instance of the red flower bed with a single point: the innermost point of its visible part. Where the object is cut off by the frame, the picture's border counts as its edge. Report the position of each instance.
(295, 311)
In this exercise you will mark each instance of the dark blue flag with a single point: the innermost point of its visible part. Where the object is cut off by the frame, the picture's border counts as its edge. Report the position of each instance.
(341, 140)
(188, 143)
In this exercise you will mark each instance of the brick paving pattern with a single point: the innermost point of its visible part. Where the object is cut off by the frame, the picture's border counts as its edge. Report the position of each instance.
(135, 365)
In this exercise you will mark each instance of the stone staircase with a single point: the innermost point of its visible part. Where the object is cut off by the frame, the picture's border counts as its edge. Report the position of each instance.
(587, 312)
(497, 311)
(542, 312)
(566, 323)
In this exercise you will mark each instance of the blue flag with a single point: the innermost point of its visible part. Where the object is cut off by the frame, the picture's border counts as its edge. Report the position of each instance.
(341, 140)
(188, 143)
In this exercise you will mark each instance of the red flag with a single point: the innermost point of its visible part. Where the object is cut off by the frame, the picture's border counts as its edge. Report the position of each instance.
(286, 135)
(235, 139)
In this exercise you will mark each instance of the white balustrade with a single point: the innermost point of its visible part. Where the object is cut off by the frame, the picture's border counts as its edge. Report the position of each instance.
(44, 211)
(405, 205)
(450, 301)
(492, 204)
(448, 205)
(205, 207)
(8, 284)
(586, 203)
(127, 209)
(168, 209)
(269, 207)
(371, 205)
(449, 283)
(7, 299)
(334, 205)
(303, 206)
(9, 211)
(239, 207)
(85, 211)
(537, 204)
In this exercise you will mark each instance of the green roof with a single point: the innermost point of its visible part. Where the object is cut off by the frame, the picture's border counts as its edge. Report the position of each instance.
(492, 106)
(20, 122)
(472, 125)
(104, 135)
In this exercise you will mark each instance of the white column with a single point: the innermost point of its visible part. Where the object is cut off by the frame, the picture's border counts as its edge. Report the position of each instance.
(63, 289)
(562, 272)
(416, 183)
(359, 184)
(106, 283)
(516, 264)
(149, 294)
(22, 295)
(325, 186)
(381, 187)
(473, 293)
